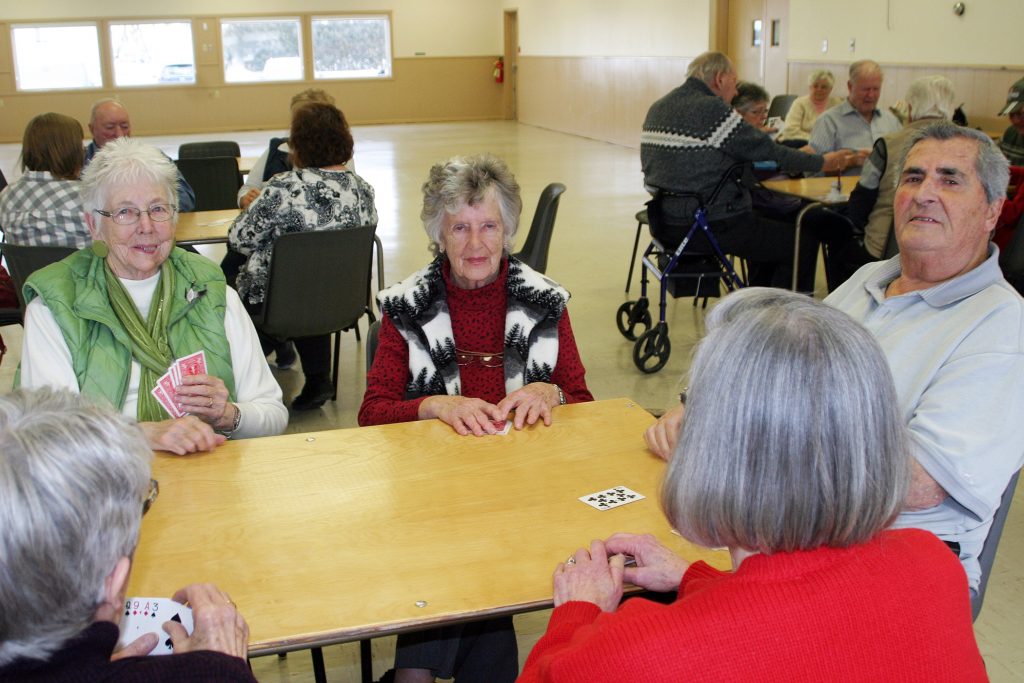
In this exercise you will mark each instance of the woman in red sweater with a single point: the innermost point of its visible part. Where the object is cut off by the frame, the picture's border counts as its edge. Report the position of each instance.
(471, 339)
(794, 456)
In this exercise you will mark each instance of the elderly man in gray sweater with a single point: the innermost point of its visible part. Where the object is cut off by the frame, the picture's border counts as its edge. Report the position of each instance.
(691, 138)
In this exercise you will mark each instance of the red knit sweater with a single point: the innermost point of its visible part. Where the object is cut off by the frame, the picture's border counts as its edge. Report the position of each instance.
(1013, 209)
(478, 324)
(893, 609)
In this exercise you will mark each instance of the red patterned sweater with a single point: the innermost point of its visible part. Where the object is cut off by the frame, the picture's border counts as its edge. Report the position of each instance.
(478, 324)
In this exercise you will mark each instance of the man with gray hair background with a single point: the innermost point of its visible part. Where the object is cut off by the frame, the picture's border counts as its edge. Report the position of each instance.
(856, 123)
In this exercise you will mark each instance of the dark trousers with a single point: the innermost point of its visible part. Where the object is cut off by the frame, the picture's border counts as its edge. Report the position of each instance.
(314, 352)
(844, 244)
(765, 242)
(477, 652)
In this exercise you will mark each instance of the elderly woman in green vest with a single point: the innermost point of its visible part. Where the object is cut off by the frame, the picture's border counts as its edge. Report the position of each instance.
(110, 320)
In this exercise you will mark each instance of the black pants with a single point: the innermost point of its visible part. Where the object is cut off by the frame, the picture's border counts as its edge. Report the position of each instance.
(765, 242)
(844, 252)
(314, 352)
(477, 652)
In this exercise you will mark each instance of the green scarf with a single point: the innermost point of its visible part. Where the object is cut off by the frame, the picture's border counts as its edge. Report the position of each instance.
(149, 340)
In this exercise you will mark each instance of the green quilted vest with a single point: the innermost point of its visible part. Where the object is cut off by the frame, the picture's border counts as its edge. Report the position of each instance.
(75, 291)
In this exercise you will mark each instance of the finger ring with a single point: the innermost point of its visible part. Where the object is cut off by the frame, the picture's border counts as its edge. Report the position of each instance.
(211, 402)
(571, 560)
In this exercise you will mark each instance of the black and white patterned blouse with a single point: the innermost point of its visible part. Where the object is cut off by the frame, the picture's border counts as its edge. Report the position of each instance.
(300, 200)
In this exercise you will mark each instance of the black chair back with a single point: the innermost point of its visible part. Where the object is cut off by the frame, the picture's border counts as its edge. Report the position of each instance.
(535, 250)
(22, 261)
(3, 180)
(1011, 259)
(216, 181)
(780, 106)
(214, 148)
(319, 283)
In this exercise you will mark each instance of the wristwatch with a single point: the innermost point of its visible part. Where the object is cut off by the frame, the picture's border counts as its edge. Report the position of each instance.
(234, 425)
(561, 394)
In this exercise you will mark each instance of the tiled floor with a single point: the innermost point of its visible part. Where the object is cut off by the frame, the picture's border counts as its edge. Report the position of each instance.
(589, 255)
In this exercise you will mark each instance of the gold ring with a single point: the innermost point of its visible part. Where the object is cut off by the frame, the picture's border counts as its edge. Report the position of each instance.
(211, 402)
(571, 560)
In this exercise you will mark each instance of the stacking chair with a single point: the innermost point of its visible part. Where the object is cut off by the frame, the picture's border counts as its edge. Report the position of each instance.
(318, 284)
(22, 261)
(3, 180)
(216, 181)
(988, 551)
(538, 240)
(204, 150)
(780, 106)
(1011, 259)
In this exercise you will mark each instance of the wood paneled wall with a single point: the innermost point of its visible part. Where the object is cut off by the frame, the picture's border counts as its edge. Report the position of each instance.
(421, 89)
(605, 98)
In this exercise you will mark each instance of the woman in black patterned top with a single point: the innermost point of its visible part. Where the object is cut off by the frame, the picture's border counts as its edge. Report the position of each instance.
(319, 193)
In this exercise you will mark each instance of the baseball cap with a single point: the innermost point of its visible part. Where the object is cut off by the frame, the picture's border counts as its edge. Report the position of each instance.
(1014, 99)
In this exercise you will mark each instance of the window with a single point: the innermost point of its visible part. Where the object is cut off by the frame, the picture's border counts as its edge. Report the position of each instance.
(152, 52)
(755, 39)
(47, 57)
(352, 47)
(261, 50)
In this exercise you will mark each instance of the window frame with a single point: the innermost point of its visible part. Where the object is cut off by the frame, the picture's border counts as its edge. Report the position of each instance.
(96, 26)
(389, 30)
(109, 25)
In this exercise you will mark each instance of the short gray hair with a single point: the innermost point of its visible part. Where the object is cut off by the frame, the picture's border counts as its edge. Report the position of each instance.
(821, 75)
(73, 476)
(747, 95)
(126, 161)
(992, 167)
(465, 181)
(809, 449)
(864, 67)
(102, 103)
(931, 97)
(708, 65)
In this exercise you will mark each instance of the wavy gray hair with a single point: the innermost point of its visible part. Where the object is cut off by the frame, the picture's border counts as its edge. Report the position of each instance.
(992, 167)
(466, 181)
(810, 450)
(127, 161)
(931, 97)
(707, 65)
(73, 476)
(821, 75)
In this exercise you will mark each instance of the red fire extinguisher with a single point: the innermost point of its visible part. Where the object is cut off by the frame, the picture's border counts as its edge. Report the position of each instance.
(499, 71)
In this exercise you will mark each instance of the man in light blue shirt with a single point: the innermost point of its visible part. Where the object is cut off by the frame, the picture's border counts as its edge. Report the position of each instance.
(856, 123)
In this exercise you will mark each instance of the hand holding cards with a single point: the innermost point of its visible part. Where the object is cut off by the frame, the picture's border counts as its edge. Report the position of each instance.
(166, 389)
(148, 615)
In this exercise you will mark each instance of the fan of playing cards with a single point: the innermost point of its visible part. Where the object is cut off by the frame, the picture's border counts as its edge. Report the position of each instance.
(166, 389)
(148, 615)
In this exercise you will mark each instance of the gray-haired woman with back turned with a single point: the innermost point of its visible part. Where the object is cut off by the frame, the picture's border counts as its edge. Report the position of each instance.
(794, 456)
(74, 484)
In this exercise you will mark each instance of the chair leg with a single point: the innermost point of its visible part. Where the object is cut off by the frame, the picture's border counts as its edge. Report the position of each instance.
(632, 259)
(337, 361)
(319, 671)
(365, 662)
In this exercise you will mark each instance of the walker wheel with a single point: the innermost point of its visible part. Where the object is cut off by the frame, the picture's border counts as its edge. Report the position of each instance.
(652, 349)
(630, 315)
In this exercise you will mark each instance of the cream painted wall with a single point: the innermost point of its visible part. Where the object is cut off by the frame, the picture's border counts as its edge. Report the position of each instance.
(445, 28)
(908, 31)
(612, 28)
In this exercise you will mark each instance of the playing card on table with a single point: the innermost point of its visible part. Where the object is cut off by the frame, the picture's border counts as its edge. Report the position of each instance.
(611, 498)
(502, 427)
(148, 615)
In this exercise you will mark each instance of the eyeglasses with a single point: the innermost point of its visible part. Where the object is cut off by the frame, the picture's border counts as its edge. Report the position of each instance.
(154, 491)
(488, 360)
(129, 215)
